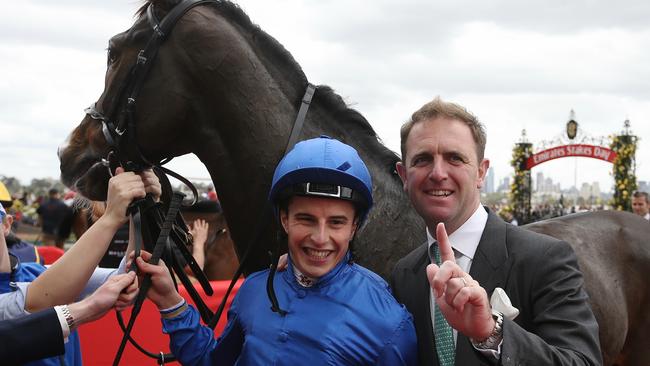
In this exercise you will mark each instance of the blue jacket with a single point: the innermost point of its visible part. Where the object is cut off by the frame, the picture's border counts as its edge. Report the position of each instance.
(27, 272)
(348, 318)
(25, 251)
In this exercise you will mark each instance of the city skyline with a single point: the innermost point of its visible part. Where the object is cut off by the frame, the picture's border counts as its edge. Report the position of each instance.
(494, 183)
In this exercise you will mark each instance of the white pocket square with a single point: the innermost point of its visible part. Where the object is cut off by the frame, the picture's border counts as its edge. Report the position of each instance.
(501, 302)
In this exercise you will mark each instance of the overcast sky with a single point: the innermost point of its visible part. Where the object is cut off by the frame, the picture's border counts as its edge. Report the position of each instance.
(515, 64)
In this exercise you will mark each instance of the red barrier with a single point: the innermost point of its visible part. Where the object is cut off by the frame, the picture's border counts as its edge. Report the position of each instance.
(100, 339)
(49, 254)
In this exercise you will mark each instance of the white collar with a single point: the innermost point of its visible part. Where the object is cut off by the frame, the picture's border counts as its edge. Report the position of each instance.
(466, 238)
(303, 280)
(647, 216)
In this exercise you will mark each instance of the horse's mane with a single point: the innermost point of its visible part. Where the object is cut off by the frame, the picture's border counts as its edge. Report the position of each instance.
(333, 102)
(278, 58)
(276, 51)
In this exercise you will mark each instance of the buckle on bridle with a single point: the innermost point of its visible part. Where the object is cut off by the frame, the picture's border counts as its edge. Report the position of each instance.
(120, 132)
(94, 113)
(141, 59)
(107, 162)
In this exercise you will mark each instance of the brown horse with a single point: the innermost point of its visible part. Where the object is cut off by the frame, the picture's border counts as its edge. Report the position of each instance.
(226, 91)
(220, 258)
(614, 255)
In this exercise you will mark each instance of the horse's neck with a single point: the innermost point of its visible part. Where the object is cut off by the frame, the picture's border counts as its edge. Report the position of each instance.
(251, 108)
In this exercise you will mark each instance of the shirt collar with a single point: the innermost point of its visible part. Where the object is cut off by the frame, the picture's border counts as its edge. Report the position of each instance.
(466, 238)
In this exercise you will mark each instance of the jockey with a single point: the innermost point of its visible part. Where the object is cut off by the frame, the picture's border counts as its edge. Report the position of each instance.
(324, 309)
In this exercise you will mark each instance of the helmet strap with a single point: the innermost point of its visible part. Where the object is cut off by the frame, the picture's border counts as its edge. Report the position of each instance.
(270, 290)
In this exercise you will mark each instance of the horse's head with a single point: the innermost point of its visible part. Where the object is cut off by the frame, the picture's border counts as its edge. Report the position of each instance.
(163, 94)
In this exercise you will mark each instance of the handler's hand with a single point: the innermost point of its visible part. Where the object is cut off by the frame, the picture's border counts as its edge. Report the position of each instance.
(151, 184)
(123, 188)
(115, 292)
(162, 291)
(283, 262)
(462, 300)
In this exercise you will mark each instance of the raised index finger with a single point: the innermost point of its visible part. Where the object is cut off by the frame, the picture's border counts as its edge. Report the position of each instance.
(446, 252)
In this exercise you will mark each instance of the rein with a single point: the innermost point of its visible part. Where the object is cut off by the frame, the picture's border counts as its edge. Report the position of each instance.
(148, 217)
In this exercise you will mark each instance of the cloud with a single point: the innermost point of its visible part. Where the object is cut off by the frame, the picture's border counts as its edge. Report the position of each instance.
(517, 65)
(66, 24)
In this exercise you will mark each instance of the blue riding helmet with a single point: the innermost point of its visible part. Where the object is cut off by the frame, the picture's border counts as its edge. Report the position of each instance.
(323, 167)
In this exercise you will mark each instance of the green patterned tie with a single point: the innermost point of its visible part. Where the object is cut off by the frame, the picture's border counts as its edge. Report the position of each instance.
(442, 331)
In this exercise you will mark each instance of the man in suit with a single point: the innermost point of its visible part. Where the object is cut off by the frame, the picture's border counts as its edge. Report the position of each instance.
(42, 334)
(442, 169)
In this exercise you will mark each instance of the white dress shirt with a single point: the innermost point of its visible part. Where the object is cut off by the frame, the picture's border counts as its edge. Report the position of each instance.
(464, 241)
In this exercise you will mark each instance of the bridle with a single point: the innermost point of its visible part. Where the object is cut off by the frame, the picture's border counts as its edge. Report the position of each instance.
(149, 219)
(119, 130)
(119, 124)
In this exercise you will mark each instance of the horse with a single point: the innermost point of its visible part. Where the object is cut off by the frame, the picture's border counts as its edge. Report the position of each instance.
(225, 90)
(614, 256)
(220, 258)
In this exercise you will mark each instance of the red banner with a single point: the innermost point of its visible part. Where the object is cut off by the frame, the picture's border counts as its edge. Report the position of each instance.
(588, 151)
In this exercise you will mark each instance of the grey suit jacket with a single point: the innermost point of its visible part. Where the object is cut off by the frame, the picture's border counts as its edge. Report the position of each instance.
(540, 274)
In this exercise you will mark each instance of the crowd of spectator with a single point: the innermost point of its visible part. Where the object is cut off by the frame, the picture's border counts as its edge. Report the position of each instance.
(545, 211)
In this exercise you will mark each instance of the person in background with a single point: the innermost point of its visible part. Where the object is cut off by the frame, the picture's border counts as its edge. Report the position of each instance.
(199, 231)
(640, 204)
(5, 198)
(51, 214)
(212, 194)
(24, 251)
